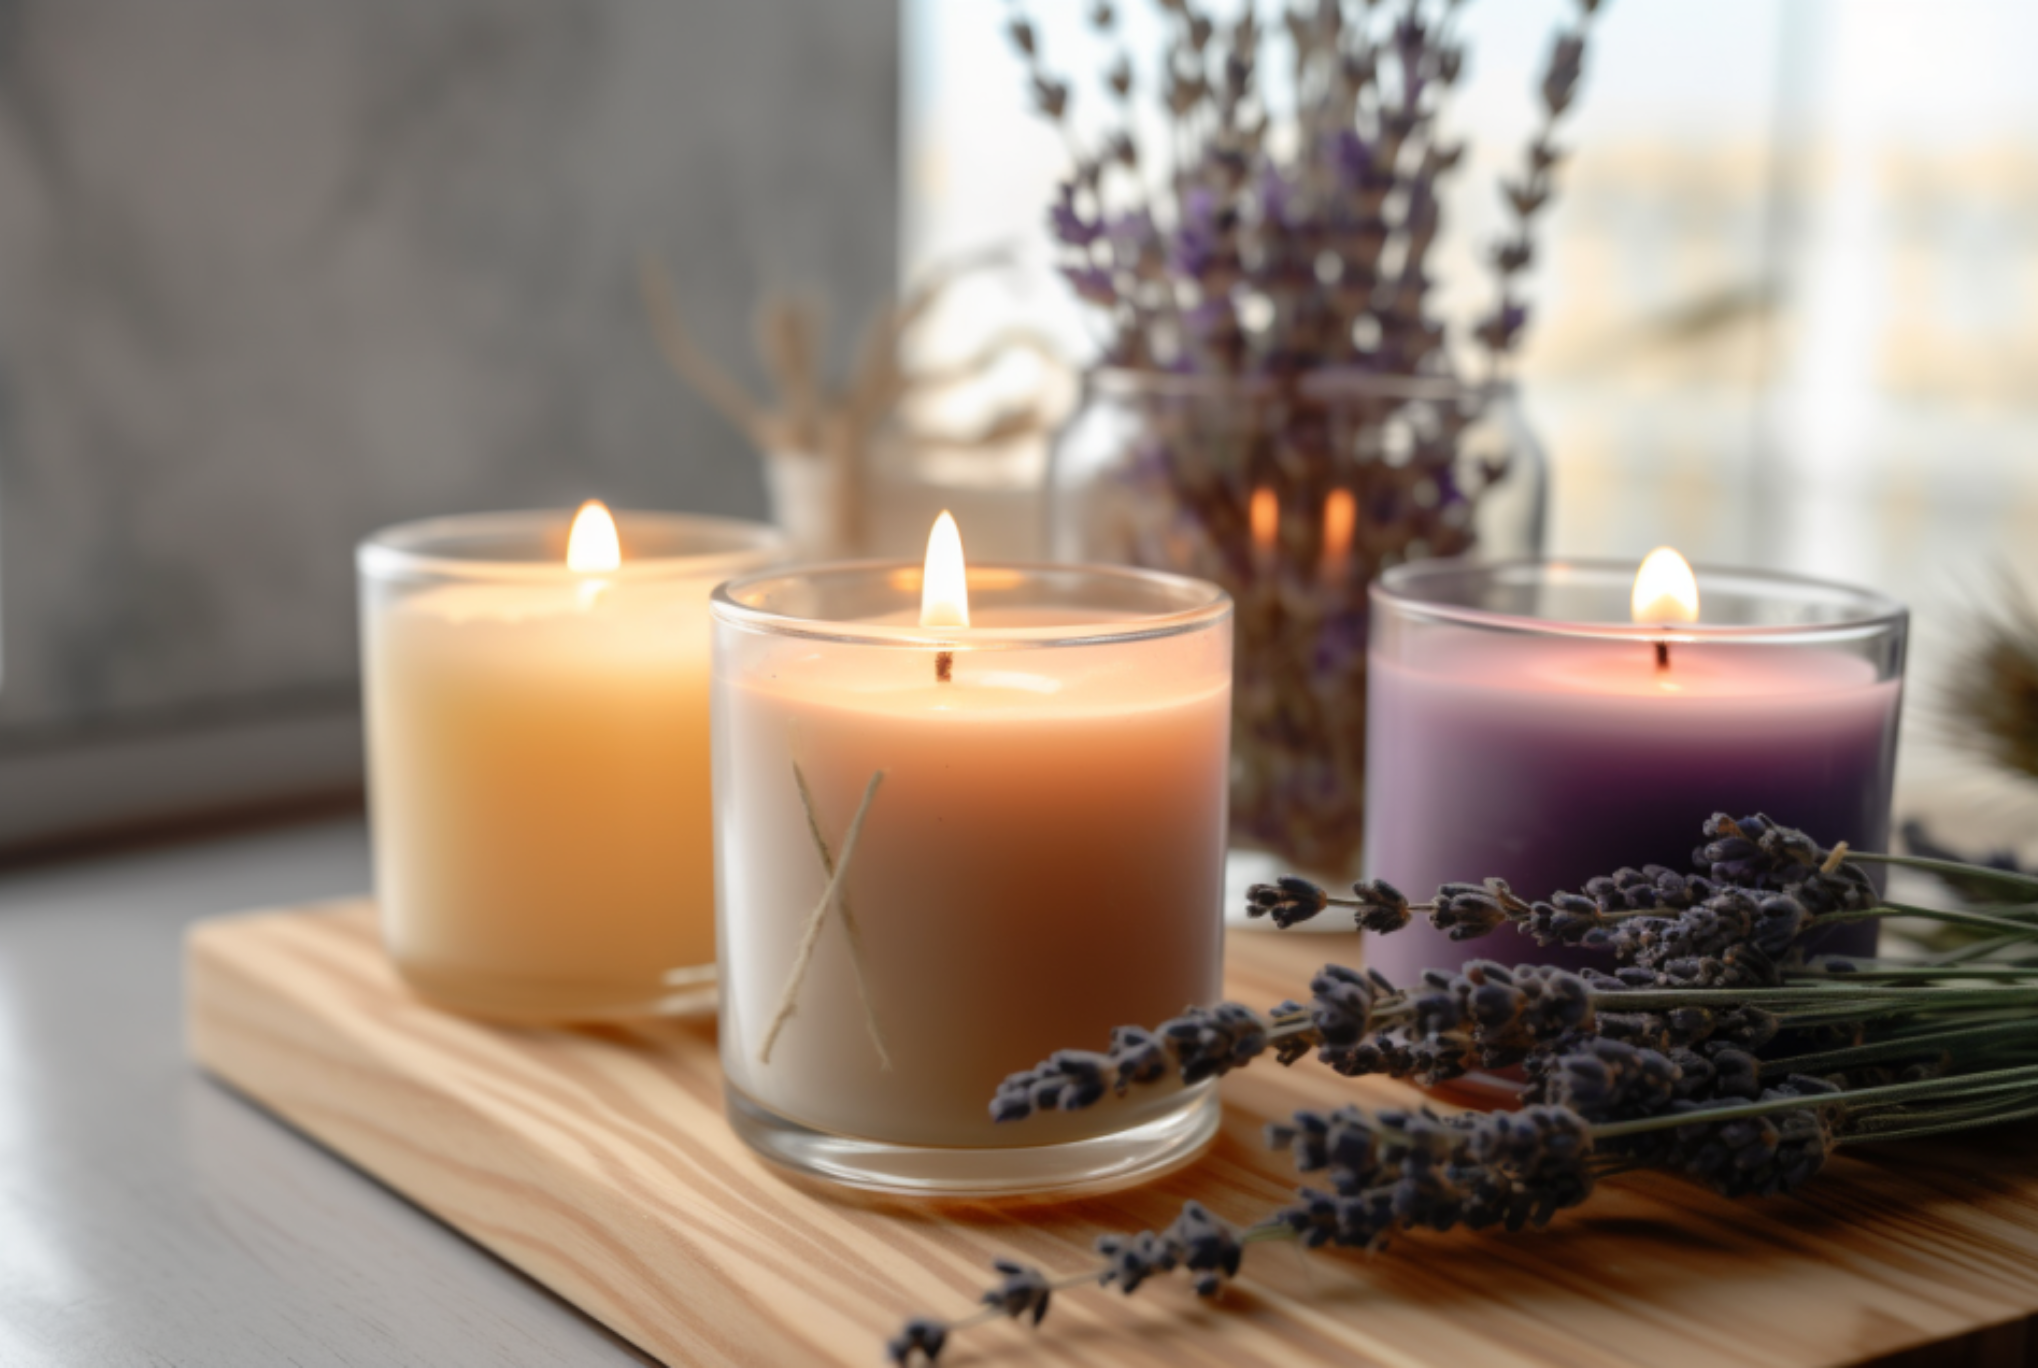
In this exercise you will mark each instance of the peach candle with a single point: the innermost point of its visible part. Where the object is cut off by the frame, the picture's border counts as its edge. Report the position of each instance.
(963, 821)
(538, 756)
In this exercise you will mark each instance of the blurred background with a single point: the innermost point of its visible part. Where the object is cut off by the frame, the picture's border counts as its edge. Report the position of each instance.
(273, 274)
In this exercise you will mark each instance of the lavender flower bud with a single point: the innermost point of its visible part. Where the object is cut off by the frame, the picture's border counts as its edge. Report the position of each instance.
(1014, 1099)
(1466, 911)
(1138, 1056)
(920, 1335)
(1288, 900)
(1068, 223)
(1736, 1074)
(1209, 1247)
(1210, 1042)
(1318, 1219)
(1695, 1074)
(1382, 908)
(1345, 1141)
(1560, 78)
(1343, 1005)
(1084, 1075)
(1024, 1290)
(1132, 1259)
(1608, 1080)
(1780, 920)
(1093, 283)
(1564, 919)
(1758, 1155)
(1050, 97)
(1758, 853)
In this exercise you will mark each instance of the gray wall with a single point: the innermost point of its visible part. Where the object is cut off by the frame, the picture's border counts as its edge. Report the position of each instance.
(274, 273)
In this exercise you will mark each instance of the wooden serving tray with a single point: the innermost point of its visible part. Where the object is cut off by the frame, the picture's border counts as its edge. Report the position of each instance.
(597, 1161)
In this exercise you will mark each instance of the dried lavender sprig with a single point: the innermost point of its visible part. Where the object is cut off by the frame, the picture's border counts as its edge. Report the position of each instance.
(1482, 1015)
(1616, 1109)
(1198, 1243)
(1399, 1170)
(1420, 1171)
(1737, 925)
(1528, 196)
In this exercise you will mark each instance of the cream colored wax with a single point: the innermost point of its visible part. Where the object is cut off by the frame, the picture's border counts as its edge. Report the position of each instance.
(540, 773)
(1042, 862)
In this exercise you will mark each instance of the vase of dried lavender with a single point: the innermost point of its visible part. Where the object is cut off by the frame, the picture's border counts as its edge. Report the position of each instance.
(1293, 493)
(1281, 404)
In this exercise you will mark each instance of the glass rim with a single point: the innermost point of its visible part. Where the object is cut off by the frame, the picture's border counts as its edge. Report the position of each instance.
(419, 548)
(1330, 382)
(1398, 590)
(1205, 605)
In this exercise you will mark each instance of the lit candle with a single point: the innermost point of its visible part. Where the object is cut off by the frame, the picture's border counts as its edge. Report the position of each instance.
(1545, 723)
(538, 756)
(963, 820)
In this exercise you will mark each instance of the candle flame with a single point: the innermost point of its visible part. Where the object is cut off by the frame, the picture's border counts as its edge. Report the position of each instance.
(1665, 589)
(944, 587)
(592, 547)
(1340, 516)
(1264, 513)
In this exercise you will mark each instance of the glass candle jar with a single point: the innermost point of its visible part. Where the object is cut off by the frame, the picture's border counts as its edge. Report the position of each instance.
(1524, 727)
(538, 760)
(944, 853)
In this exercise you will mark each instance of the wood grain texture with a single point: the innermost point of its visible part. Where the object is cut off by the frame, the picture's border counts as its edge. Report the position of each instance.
(597, 1161)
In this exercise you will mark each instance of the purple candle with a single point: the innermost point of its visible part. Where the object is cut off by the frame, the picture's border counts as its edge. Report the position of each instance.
(1522, 725)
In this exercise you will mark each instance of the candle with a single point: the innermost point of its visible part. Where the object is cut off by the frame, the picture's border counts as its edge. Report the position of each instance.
(1546, 723)
(538, 756)
(1020, 775)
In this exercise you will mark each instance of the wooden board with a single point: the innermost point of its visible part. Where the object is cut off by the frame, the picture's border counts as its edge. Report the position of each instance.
(597, 1161)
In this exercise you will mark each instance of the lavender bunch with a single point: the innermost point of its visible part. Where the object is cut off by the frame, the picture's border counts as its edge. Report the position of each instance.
(1301, 414)
(1748, 1088)
(1279, 242)
(1707, 969)
(1392, 1171)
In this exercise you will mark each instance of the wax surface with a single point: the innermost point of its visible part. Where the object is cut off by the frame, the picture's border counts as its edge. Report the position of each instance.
(1546, 761)
(1042, 863)
(541, 788)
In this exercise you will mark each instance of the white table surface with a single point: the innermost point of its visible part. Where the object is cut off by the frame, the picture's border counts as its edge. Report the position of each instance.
(148, 1216)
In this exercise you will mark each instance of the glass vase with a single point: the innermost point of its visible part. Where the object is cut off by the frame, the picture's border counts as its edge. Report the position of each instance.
(1294, 495)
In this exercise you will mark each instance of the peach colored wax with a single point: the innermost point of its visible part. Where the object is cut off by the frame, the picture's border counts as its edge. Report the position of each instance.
(1042, 862)
(538, 762)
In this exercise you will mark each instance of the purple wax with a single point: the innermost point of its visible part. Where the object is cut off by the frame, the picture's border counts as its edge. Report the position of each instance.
(1545, 759)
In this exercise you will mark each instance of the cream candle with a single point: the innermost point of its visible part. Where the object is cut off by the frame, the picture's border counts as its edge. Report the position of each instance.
(537, 713)
(1026, 799)
(1548, 722)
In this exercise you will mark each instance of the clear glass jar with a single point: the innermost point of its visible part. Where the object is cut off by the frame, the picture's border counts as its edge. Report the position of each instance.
(1293, 496)
(1524, 728)
(1027, 814)
(538, 760)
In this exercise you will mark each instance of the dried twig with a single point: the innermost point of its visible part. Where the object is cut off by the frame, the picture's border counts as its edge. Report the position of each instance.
(803, 958)
(849, 923)
(695, 366)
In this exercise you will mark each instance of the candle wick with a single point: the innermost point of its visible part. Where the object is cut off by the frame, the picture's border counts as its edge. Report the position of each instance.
(944, 667)
(1662, 655)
